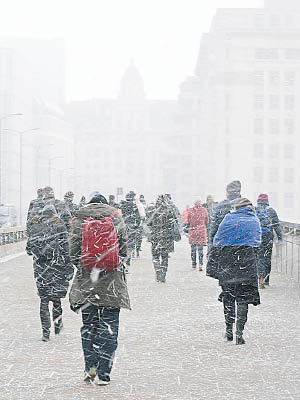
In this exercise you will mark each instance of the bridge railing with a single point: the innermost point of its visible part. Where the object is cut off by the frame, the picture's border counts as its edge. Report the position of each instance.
(12, 235)
(286, 257)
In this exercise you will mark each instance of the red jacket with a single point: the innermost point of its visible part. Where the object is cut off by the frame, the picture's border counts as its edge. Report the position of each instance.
(198, 219)
(185, 216)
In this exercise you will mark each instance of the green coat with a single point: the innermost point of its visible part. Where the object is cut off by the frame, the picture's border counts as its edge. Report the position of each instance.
(110, 289)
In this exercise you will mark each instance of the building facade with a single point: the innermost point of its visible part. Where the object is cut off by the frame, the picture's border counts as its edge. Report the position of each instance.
(36, 143)
(246, 93)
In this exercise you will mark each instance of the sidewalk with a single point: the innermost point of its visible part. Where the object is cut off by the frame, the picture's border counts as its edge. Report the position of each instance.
(171, 344)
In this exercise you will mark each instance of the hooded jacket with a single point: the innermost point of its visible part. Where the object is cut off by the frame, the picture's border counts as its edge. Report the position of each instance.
(233, 259)
(108, 289)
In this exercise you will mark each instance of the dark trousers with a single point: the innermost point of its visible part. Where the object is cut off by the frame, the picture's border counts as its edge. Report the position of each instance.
(234, 308)
(160, 262)
(45, 315)
(99, 337)
(264, 260)
(268, 260)
(194, 249)
(139, 239)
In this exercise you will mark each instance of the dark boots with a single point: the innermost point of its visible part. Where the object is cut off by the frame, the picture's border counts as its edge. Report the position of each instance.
(229, 332)
(242, 312)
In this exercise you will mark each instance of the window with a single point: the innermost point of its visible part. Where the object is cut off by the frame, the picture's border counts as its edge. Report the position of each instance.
(258, 174)
(259, 20)
(289, 200)
(289, 126)
(289, 151)
(274, 102)
(289, 78)
(289, 102)
(292, 54)
(258, 126)
(274, 151)
(274, 126)
(289, 175)
(258, 78)
(274, 78)
(258, 102)
(273, 175)
(266, 54)
(258, 150)
(275, 20)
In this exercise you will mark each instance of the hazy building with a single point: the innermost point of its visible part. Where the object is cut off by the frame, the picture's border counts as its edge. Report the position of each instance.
(35, 141)
(120, 142)
(242, 104)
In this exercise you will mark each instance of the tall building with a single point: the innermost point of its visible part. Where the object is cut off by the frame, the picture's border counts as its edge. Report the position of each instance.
(242, 104)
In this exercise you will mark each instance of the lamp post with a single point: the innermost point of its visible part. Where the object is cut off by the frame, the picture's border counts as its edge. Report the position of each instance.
(1, 155)
(21, 133)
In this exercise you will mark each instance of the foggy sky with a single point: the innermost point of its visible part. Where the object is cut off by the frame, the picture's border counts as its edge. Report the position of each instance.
(101, 36)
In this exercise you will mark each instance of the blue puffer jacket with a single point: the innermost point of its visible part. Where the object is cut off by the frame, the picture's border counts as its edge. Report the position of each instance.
(221, 210)
(239, 228)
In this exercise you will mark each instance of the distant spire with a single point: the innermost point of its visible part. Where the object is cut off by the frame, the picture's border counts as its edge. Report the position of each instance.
(132, 85)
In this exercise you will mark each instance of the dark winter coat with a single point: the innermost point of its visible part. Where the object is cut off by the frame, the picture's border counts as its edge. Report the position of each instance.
(62, 211)
(34, 212)
(52, 267)
(234, 262)
(197, 220)
(110, 289)
(211, 206)
(161, 224)
(221, 210)
(273, 223)
(131, 217)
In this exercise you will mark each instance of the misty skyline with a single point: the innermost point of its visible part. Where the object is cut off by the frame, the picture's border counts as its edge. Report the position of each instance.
(162, 37)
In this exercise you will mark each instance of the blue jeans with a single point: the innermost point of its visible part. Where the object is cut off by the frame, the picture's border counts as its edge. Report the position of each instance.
(194, 249)
(99, 337)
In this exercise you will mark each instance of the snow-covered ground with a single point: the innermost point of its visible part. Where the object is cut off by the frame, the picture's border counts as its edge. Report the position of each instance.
(171, 344)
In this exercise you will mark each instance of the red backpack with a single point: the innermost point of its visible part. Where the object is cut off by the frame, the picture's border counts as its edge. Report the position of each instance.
(99, 246)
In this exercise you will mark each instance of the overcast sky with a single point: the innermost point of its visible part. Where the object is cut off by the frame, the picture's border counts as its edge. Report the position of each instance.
(101, 36)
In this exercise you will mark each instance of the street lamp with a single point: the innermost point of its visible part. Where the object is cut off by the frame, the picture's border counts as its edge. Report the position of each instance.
(21, 133)
(1, 155)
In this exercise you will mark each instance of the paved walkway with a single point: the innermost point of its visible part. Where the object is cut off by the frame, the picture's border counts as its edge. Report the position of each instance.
(170, 344)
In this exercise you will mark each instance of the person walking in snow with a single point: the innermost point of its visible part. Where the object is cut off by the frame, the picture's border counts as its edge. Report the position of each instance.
(196, 225)
(35, 209)
(132, 220)
(98, 245)
(61, 209)
(52, 266)
(162, 223)
(139, 231)
(233, 261)
(269, 223)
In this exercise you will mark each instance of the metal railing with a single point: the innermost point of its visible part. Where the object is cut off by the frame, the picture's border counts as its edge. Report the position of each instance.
(286, 257)
(12, 235)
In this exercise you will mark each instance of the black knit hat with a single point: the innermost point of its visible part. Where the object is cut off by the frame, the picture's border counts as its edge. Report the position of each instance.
(234, 187)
